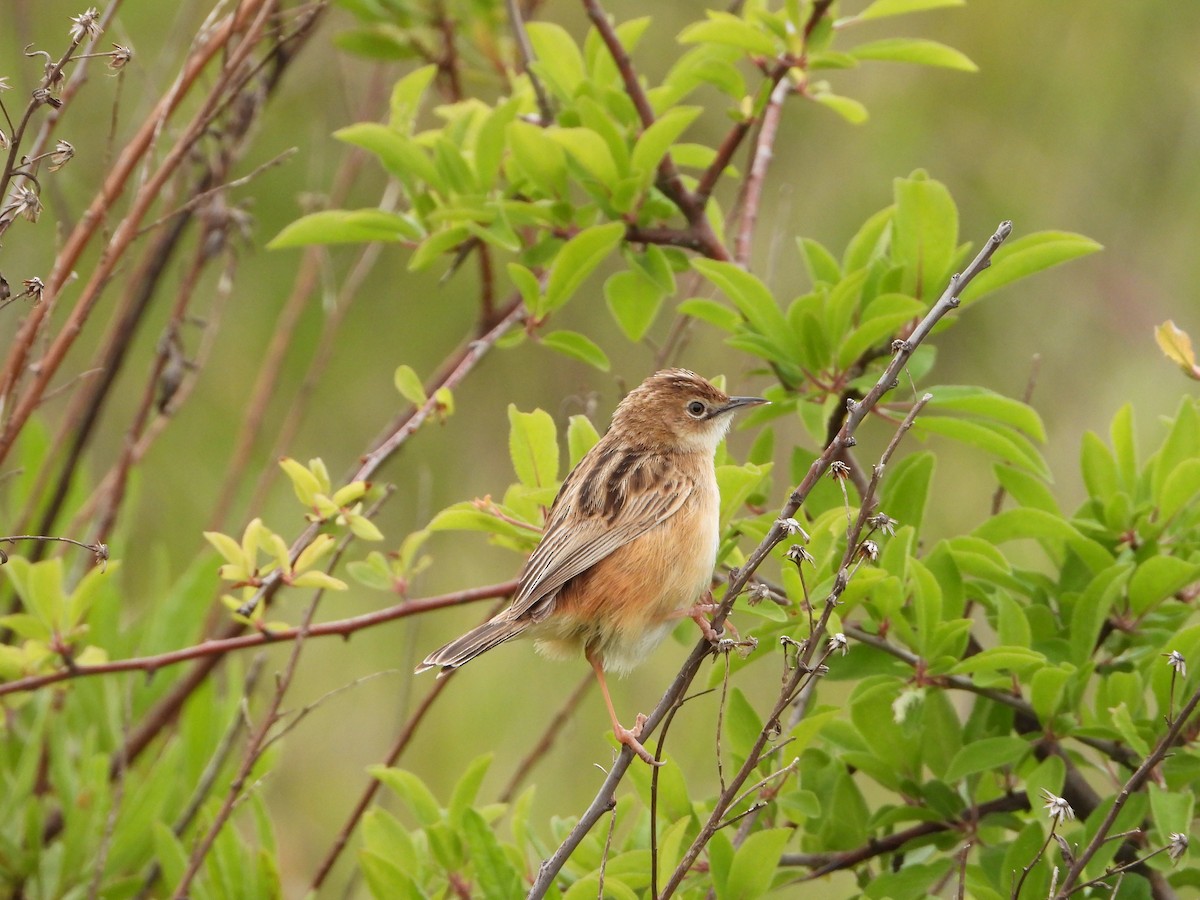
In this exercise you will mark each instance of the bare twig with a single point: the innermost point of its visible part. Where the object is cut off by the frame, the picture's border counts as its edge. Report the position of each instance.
(525, 50)
(220, 647)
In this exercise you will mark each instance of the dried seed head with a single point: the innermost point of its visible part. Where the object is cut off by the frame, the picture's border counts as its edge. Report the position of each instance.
(120, 57)
(1176, 661)
(1178, 846)
(63, 153)
(1057, 808)
(868, 550)
(838, 643)
(838, 470)
(34, 288)
(23, 201)
(759, 593)
(799, 554)
(86, 24)
(791, 528)
(883, 523)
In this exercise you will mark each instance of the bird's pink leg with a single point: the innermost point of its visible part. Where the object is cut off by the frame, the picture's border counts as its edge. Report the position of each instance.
(628, 737)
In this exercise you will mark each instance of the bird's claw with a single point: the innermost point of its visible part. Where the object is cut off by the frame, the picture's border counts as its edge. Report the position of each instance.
(629, 737)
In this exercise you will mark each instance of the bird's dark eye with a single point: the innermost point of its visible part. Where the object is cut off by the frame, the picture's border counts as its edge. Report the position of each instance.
(696, 409)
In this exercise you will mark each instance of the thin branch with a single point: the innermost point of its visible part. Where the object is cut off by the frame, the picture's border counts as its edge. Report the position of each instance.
(764, 149)
(221, 646)
(525, 50)
(824, 864)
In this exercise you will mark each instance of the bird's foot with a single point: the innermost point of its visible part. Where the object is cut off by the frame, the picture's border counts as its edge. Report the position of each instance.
(629, 737)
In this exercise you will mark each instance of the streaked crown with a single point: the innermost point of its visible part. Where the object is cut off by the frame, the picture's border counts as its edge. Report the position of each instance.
(678, 410)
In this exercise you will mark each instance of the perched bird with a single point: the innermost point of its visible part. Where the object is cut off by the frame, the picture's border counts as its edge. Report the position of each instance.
(630, 541)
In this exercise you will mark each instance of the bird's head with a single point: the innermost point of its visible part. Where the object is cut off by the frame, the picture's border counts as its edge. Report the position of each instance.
(678, 410)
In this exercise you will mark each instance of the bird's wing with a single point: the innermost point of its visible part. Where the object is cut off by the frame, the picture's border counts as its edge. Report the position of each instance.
(599, 508)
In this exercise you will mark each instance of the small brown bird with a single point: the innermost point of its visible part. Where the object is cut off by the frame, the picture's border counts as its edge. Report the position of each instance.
(630, 541)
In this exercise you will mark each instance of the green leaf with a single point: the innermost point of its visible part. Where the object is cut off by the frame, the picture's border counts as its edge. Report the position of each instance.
(496, 879)
(578, 258)
(385, 879)
(869, 242)
(914, 50)
(1176, 345)
(378, 42)
(712, 312)
(1025, 256)
(588, 149)
(820, 263)
(1026, 489)
(436, 244)
(1002, 658)
(1046, 689)
(1158, 578)
(849, 109)
(406, 98)
(653, 143)
(465, 517)
(737, 483)
(540, 160)
(906, 488)
(924, 234)
(559, 62)
(412, 790)
(984, 754)
(883, 8)
(880, 321)
(1098, 467)
(170, 853)
(980, 402)
(730, 30)
(1171, 811)
(634, 301)
(533, 445)
(401, 155)
(1037, 524)
(1006, 443)
(408, 383)
(581, 437)
(752, 298)
(577, 346)
(526, 283)
(755, 862)
(347, 226)
(466, 790)
(1179, 490)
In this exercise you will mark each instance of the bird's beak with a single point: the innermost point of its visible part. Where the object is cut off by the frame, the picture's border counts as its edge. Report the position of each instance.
(737, 403)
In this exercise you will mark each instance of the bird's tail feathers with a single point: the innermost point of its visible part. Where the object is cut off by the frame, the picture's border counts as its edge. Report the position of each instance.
(478, 640)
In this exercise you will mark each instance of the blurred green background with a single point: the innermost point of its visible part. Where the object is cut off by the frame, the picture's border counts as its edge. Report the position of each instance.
(1083, 117)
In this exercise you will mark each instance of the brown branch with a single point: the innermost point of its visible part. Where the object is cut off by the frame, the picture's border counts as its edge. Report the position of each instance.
(764, 149)
(669, 180)
(525, 51)
(218, 647)
(232, 27)
(903, 350)
(823, 864)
